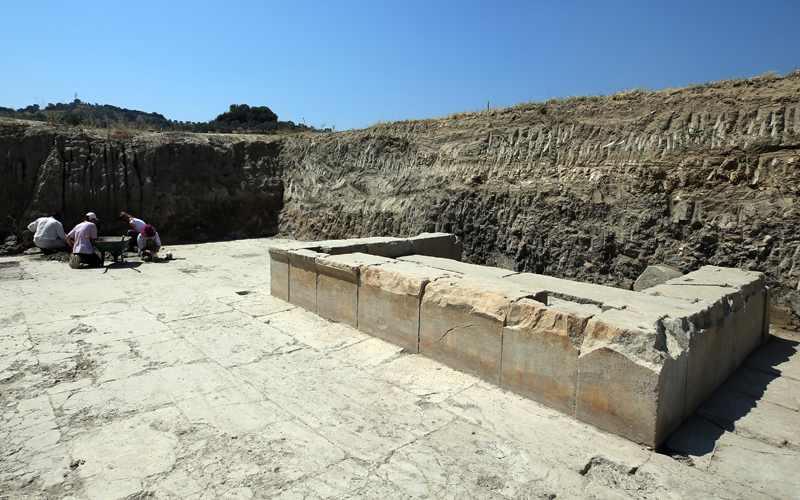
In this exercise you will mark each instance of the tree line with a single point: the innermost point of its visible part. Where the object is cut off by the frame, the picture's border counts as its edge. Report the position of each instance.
(240, 118)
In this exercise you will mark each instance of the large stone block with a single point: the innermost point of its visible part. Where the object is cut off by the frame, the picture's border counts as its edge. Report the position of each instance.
(279, 275)
(341, 247)
(388, 247)
(737, 305)
(571, 291)
(389, 301)
(303, 278)
(540, 353)
(337, 285)
(472, 270)
(462, 320)
(442, 245)
(631, 377)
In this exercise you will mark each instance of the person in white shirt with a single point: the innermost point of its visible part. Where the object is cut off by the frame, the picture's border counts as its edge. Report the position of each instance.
(149, 243)
(48, 232)
(133, 226)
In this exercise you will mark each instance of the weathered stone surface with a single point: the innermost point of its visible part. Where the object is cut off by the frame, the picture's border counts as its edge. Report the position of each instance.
(279, 275)
(339, 247)
(303, 278)
(389, 301)
(458, 267)
(246, 402)
(655, 275)
(387, 247)
(443, 245)
(338, 283)
(462, 320)
(731, 325)
(631, 377)
(540, 353)
(572, 291)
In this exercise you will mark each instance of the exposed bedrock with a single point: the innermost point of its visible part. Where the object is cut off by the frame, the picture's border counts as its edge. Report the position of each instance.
(189, 187)
(594, 190)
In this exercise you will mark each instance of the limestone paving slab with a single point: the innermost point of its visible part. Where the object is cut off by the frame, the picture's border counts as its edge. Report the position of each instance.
(142, 411)
(231, 338)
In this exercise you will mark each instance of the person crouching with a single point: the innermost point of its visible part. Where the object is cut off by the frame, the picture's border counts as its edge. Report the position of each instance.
(80, 239)
(149, 243)
(48, 232)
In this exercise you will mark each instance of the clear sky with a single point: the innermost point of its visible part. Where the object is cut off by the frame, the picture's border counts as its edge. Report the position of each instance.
(350, 64)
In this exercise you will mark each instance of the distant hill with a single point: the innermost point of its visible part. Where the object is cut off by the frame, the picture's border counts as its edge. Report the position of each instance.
(240, 118)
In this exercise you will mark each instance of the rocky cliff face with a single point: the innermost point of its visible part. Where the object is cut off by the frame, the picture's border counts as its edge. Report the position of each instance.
(191, 187)
(589, 189)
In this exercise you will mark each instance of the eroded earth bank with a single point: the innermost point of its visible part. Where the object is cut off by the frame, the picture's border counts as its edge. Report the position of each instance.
(593, 189)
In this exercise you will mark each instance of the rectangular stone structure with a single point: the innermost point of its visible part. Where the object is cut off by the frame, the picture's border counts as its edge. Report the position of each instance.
(337, 284)
(462, 320)
(389, 301)
(633, 363)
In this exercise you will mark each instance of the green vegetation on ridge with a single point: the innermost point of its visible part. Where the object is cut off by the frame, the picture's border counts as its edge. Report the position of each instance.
(240, 118)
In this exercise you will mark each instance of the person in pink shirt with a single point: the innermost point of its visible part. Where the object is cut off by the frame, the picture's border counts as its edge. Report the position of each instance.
(80, 239)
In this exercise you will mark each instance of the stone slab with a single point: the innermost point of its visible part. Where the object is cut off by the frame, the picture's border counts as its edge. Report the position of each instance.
(389, 301)
(462, 320)
(472, 270)
(442, 245)
(631, 377)
(279, 275)
(388, 247)
(540, 353)
(337, 285)
(572, 291)
(303, 278)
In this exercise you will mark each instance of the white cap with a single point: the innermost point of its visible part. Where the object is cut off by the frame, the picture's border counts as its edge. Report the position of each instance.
(91, 216)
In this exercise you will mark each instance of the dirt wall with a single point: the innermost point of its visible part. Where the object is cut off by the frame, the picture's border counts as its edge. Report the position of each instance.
(590, 189)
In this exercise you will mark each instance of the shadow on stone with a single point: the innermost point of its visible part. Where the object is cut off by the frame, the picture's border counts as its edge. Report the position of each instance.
(735, 406)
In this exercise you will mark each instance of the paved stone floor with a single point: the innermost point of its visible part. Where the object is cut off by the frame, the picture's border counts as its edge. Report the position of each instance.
(186, 379)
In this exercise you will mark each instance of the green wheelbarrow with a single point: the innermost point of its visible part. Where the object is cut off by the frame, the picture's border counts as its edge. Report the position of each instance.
(112, 244)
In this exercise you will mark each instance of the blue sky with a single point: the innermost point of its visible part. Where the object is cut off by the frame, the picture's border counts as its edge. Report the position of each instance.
(350, 64)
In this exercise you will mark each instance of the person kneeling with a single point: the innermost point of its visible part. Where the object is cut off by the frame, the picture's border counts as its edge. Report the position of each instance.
(80, 239)
(49, 233)
(149, 243)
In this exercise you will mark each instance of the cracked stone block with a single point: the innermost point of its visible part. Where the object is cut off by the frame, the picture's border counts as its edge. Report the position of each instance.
(442, 245)
(631, 377)
(737, 322)
(389, 301)
(462, 320)
(303, 278)
(337, 285)
(541, 345)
